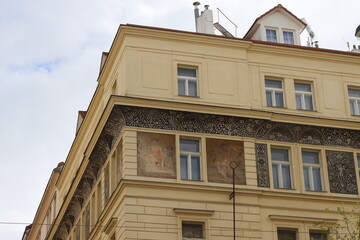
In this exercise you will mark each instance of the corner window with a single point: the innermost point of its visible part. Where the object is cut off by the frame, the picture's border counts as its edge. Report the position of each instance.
(271, 35)
(354, 99)
(274, 93)
(288, 37)
(281, 168)
(287, 234)
(312, 171)
(187, 82)
(190, 159)
(304, 96)
(193, 230)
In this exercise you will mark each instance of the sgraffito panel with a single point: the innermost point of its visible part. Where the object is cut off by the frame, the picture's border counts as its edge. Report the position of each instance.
(219, 154)
(156, 155)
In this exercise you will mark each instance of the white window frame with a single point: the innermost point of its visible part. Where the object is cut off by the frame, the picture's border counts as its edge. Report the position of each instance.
(279, 165)
(357, 102)
(310, 167)
(293, 36)
(189, 157)
(194, 222)
(276, 34)
(303, 94)
(273, 91)
(187, 80)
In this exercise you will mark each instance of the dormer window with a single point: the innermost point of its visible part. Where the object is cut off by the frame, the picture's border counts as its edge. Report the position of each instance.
(288, 37)
(271, 35)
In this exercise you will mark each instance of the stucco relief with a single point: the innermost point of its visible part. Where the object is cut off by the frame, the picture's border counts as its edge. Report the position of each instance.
(156, 155)
(341, 170)
(262, 167)
(219, 154)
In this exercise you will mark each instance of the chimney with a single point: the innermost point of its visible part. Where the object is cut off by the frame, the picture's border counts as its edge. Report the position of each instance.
(204, 23)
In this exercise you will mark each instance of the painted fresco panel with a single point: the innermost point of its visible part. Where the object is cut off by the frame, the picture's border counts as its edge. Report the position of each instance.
(156, 155)
(219, 154)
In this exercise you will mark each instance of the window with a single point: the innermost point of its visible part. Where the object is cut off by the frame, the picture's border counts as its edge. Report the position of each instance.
(288, 37)
(187, 82)
(317, 235)
(190, 159)
(287, 234)
(358, 162)
(354, 99)
(274, 93)
(304, 96)
(312, 171)
(271, 35)
(281, 168)
(193, 230)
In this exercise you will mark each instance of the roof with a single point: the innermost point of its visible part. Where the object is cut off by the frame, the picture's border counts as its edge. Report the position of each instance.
(82, 113)
(279, 6)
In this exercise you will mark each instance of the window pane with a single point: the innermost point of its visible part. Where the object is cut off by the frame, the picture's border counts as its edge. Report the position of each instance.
(273, 84)
(298, 101)
(308, 102)
(189, 145)
(318, 236)
(269, 99)
(192, 230)
(302, 87)
(310, 157)
(286, 176)
(279, 155)
(354, 93)
(275, 175)
(186, 72)
(279, 99)
(307, 178)
(317, 179)
(183, 166)
(195, 168)
(192, 88)
(286, 234)
(271, 35)
(288, 37)
(352, 106)
(181, 87)
(358, 159)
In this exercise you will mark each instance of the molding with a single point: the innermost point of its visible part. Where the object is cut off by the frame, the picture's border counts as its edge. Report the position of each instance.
(111, 224)
(193, 211)
(302, 219)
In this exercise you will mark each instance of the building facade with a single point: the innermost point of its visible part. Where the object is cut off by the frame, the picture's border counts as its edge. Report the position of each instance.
(172, 110)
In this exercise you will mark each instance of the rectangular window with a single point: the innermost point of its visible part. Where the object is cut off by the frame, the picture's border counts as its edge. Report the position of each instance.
(288, 37)
(281, 168)
(318, 235)
(193, 230)
(312, 171)
(358, 163)
(271, 35)
(190, 159)
(106, 184)
(187, 82)
(274, 93)
(304, 96)
(287, 234)
(87, 221)
(354, 99)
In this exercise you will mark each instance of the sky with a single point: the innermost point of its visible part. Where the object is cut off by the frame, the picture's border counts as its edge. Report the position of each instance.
(49, 64)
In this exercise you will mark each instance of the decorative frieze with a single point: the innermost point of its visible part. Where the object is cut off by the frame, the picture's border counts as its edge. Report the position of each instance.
(262, 166)
(341, 170)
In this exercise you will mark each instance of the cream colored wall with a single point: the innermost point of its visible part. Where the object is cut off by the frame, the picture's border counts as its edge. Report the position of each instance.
(233, 76)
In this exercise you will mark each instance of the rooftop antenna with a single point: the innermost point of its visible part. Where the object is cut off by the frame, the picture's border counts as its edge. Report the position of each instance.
(196, 12)
(311, 39)
(357, 32)
(236, 27)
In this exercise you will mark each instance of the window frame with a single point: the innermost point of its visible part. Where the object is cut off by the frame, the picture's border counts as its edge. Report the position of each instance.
(293, 36)
(310, 172)
(279, 168)
(276, 34)
(189, 159)
(296, 230)
(303, 94)
(187, 79)
(356, 99)
(194, 222)
(273, 93)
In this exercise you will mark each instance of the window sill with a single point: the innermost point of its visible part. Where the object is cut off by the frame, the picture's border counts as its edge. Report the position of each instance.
(276, 107)
(188, 96)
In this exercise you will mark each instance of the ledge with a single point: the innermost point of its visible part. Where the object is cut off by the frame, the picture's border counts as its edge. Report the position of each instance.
(193, 211)
(303, 219)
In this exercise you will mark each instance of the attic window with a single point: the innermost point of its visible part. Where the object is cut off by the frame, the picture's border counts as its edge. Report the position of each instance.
(271, 35)
(288, 37)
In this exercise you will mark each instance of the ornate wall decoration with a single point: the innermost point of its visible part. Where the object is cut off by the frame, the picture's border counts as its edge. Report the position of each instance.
(262, 167)
(341, 170)
(156, 155)
(219, 154)
(311, 136)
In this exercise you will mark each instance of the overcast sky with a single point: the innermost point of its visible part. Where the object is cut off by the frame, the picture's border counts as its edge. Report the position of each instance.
(50, 54)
